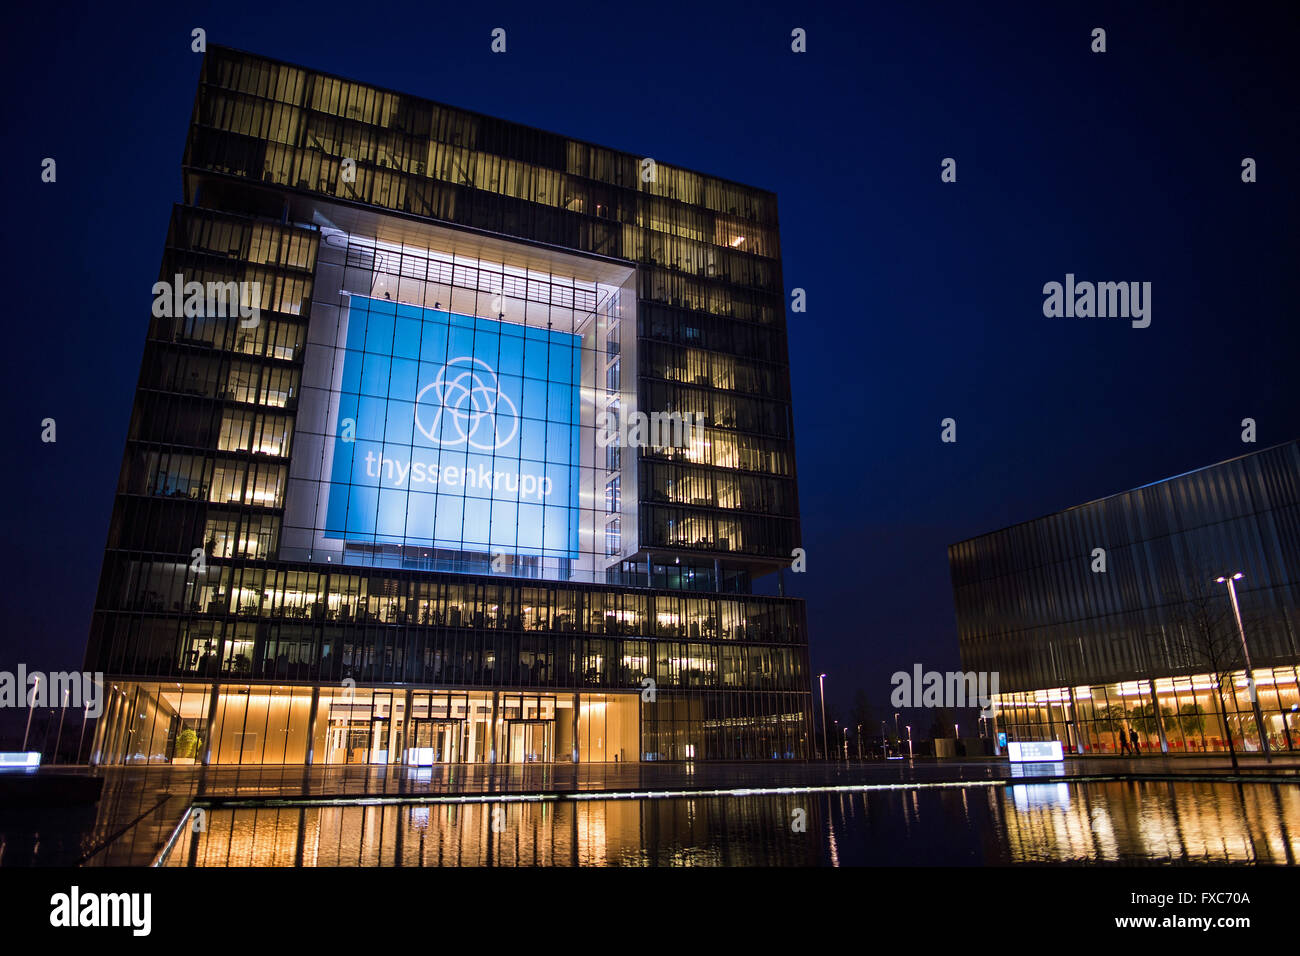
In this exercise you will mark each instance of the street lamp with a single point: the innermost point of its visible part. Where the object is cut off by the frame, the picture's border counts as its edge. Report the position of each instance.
(846, 744)
(884, 742)
(31, 702)
(63, 713)
(910, 755)
(821, 680)
(1245, 651)
(859, 741)
(896, 733)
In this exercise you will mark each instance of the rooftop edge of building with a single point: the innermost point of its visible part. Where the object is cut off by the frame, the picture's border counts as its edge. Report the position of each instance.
(1127, 491)
(224, 48)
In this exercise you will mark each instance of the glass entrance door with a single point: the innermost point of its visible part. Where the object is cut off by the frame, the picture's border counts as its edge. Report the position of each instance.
(529, 741)
(349, 742)
(378, 741)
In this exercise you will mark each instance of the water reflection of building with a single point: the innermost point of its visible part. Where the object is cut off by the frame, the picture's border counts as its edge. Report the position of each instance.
(1153, 822)
(268, 598)
(684, 831)
(1087, 657)
(1117, 822)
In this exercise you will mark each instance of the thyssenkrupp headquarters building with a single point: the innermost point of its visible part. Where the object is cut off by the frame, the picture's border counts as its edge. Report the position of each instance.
(405, 506)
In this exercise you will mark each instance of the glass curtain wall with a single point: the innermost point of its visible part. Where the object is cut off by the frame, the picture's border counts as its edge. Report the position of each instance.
(1187, 713)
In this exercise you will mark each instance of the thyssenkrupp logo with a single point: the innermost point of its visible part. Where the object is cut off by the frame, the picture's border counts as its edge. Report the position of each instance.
(467, 403)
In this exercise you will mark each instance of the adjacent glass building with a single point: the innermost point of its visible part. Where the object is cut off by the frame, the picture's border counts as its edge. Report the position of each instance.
(1151, 644)
(454, 441)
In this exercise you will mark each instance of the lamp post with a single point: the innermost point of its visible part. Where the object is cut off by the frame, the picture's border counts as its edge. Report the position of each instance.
(1245, 652)
(910, 755)
(859, 741)
(31, 700)
(821, 680)
(63, 713)
(846, 744)
(896, 733)
(81, 738)
(884, 742)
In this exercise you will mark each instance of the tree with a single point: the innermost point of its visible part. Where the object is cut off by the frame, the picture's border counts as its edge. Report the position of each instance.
(1191, 719)
(187, 744)
(833, 733)
(861, 712)
(942, 725)
(1114, 718)
(1207, 639)
(1144, 719)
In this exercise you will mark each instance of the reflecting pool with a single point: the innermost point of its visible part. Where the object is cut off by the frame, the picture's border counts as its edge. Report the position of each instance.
(1127, 822)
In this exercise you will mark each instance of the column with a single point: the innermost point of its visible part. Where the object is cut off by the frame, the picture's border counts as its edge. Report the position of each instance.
(406, 723)
(105, 729)
(1074, 721)
(576, 706)
(212, 721)
(311, 724)
(1160, 723)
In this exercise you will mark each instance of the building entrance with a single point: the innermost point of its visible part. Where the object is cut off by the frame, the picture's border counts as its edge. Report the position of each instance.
(529, 741)
(431, 741)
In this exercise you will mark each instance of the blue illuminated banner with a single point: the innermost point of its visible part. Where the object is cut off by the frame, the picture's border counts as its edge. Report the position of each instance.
(455, 432)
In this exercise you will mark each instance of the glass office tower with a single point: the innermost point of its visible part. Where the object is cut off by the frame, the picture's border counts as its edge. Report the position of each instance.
(482, 466)
(1151, 645)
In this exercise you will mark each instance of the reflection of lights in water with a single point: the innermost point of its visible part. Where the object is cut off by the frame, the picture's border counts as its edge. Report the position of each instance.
(1028, 795)
(1038, 769)
(1183, 822)
(1048, 827)
(1023, 821)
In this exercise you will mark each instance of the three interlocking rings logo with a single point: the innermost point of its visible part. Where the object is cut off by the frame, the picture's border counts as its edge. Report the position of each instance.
(464, 405)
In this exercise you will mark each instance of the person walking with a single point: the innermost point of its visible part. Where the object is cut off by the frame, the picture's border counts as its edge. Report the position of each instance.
(1133, 738)
(1123, 742)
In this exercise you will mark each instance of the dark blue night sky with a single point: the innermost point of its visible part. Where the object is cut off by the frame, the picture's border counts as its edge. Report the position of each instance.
(924, 298)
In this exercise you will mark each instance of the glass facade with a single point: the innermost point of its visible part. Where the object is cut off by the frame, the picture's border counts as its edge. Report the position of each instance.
(395, 517)
(1151, 645)
(1184, 714)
